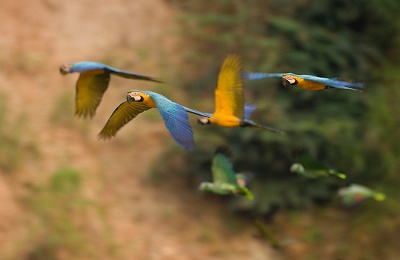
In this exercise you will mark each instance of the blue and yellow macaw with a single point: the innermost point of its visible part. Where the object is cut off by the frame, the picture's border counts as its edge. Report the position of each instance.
(230, 110)
(356, 194)
(307, 82)
(174, 115)
(225, 180)
(93, 82)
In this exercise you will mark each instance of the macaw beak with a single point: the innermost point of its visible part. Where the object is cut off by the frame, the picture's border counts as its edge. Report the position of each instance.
(133, 97)
(203, 120)
(64, 69)
(129, 99)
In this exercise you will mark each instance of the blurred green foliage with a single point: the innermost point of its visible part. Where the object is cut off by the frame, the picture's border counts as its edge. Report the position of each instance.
(350, 132)
(55, 204)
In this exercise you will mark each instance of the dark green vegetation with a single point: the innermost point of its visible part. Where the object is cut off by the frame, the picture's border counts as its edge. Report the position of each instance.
(355, 133)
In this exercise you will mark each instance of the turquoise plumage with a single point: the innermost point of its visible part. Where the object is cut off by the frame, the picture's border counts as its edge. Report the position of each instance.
(93, 82)
(174, 115)
(308, 82)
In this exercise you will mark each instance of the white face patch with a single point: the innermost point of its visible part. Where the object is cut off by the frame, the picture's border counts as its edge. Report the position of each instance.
(290, 79)
(135, 96)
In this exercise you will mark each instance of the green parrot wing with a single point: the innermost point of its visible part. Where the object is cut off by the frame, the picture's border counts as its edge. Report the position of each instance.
(222, 170)
(90, 88)
(124, 113)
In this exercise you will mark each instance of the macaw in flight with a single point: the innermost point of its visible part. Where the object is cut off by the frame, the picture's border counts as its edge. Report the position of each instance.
(355, 194)
(174, 115)
(309, 167)
(93, 82)
(225, 180)
(230, 110)
(307, 82)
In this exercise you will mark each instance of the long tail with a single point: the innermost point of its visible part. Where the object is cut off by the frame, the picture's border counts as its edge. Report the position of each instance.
(189, 110)
(132, 75)
(258, 126)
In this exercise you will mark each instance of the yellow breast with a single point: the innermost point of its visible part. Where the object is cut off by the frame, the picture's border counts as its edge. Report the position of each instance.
(148, 101)
(309, 85)
(224, 120)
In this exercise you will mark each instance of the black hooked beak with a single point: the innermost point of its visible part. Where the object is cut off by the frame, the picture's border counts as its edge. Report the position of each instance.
(64, 69)
(129, 99)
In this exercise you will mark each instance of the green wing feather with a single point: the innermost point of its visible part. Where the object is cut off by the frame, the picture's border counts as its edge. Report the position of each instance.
(222, 170)
(90, 88)
(124, 113)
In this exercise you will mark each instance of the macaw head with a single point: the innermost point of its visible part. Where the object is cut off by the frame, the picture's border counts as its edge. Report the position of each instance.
(203, 120)
(134, 96)
(65, 68)
(289, 80)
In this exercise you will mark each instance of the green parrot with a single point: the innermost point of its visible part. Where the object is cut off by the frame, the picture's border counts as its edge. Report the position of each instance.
(225, 180)
(310, 168)
(355, 194)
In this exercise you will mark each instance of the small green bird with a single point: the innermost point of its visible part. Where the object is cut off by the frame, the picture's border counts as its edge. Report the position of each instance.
(310, 168)
(93, 82)
(355, 194)
(225, 180)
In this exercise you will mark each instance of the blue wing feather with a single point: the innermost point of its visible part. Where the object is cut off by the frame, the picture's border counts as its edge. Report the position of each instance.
(176, 120)
(332, 82)
(84, 66)
(248, 109)
(260, 75)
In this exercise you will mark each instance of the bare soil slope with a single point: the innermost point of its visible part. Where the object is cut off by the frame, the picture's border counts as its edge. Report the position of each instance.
(132, 218)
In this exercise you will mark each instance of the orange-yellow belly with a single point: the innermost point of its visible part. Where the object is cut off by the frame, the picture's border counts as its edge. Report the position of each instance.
(224, 120)
(309, 85)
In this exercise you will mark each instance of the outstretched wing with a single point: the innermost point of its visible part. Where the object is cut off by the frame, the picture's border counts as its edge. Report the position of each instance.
(176, 120)
(222, 170)
(229, 98)
(131, 75)
(124, 113)
(335, 83)
(248, 110)
(260, 75)
(90, 88)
